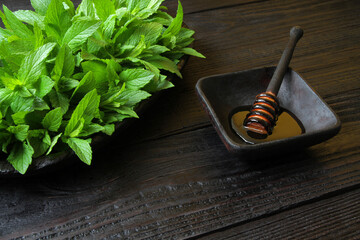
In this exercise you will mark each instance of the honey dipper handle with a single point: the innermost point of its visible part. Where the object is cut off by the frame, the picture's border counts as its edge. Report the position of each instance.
(275, 83)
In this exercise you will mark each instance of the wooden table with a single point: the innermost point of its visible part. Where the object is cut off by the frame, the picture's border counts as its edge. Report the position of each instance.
(169, 176)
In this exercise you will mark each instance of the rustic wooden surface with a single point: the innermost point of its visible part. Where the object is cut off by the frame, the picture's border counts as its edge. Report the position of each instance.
(170, 176)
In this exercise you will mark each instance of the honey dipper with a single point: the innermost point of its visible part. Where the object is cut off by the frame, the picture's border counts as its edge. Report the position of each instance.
(265, 110)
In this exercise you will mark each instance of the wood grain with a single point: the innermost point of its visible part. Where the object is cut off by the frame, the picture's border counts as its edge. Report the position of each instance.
(310, 221)
(175, 190)
(169, 175)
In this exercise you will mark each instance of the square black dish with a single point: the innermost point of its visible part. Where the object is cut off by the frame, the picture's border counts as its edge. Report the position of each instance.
(220, 94)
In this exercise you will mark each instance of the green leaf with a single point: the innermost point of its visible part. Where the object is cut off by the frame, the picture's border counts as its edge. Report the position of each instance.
(156, 50)
(53, 143)
(43, 86)
(109, 26)
(148, 7)
(184, 37)
(86, 8)
(110, 97)
(40, 104)
(52, 120)
(57, 20)
(21, 156)
(193, 52)
(20, 131)
(150, 31)
(133, 96)
(86, 84)
(39, 36)
(67, 84)
(176, 24)
(64, 63)
(159, 84)
(104, 8)
(16, 25)
(112, 69)
(164, 63)
(87, 109)
(136, 78)
(30, 17)
(109, 129)
(79, 32)
(10, 82)
(58, 99)
(78, 128)
(91, 129)
(19, 117)
(5, 139)
(40, 141)
(33, 64)
(20, 104)
(139, 48)
(40, 6)
(127, 111)
(81, 148)
(99, 69)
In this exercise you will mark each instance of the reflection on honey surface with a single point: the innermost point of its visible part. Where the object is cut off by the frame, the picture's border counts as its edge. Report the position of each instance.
(287, 126)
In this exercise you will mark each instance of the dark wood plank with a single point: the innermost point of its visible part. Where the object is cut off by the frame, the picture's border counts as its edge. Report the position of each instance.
(310, 221)
(180, 186)
(195, 7)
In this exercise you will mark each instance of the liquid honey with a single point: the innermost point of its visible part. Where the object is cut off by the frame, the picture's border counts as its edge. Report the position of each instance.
(287, 126)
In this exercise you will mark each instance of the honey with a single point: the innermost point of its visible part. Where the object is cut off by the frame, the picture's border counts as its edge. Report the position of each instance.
(287, 126)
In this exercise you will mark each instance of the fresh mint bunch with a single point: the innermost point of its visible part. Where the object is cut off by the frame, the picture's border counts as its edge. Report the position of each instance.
(66, 73)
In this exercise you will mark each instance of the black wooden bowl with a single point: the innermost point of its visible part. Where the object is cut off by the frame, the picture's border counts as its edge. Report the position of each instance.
(220, 94)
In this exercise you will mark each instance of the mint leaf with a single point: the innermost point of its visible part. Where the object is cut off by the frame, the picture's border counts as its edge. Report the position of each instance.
(136, 78)
(64, 63)
(150, 31)
(19, 104)
(66, 84)
(87, 109)
(133, 97)
(20, 131)
(79, 32)
(176, 24)
(57, 20)
(159, 84)
(39, 36)
(109, 26)
(40, 6)
(21, 156)
(104, 8)
(81, 148)
(53, 119)
(164, 63)
(43, 86)
(86, 8)
(39, 141)
(31, 18)
(193, 52)
(53, 143)
(99, 69)
(19, 117)
(16, 25)
(86, 84)
(91, 129)
(33, 64)
(58, 99)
